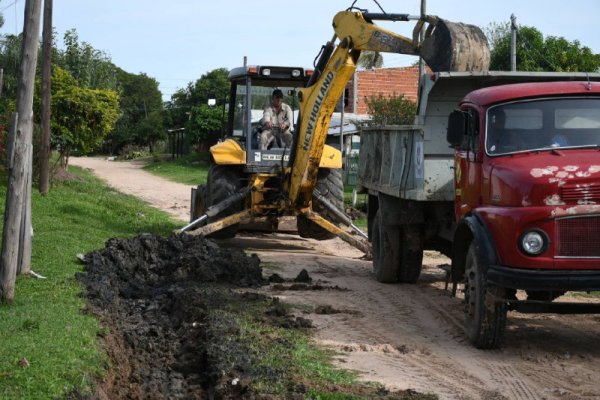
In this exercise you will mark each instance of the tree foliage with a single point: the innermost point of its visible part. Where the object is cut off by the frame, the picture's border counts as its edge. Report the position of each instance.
(393, 110)
(141, 120)
(81, 117)
(538, 53)
(91, 67)
(188, 107)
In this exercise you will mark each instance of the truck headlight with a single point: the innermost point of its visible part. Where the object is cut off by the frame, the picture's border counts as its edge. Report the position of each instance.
(534, 242)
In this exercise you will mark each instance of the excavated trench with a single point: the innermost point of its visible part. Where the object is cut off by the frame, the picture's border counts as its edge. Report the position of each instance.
(171, 316)
(165, 304)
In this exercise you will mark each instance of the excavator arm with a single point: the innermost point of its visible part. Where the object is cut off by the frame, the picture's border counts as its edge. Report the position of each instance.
(445, 46)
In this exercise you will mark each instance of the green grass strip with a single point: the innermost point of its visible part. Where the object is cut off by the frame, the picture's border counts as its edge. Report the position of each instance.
(45, 325)
(190, 169)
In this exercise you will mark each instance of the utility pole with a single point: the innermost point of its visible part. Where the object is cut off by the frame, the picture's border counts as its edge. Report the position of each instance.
(421, 37)
(19, 158)
(513, 42)
(46, 98)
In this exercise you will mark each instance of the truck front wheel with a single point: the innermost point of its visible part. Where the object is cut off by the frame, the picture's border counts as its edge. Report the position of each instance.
(485, 318)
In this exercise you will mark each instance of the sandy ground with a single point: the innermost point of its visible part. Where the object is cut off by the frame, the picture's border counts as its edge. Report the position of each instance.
(130, 178)
(404, 336)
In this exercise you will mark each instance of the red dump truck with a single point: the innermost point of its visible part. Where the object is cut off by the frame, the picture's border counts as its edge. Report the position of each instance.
(501, 173)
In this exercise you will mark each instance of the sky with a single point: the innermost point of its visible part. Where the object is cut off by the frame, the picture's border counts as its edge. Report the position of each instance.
(177, 41)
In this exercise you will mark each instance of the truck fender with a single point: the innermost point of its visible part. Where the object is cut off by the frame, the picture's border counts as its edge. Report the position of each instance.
(471, 228)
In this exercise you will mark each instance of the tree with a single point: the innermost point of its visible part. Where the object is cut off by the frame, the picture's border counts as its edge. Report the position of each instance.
(81, 117)
(536, 53)
(91, 67)
(204, 122)
(141, 120)
(188, 106)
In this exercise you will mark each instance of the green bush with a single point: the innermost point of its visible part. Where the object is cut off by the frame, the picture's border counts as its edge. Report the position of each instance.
(393, 110)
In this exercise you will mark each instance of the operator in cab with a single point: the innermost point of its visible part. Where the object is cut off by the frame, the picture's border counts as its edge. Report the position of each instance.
(277, 122)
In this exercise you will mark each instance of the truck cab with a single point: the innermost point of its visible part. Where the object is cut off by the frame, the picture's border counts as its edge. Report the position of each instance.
(527, 199)
(514, 201)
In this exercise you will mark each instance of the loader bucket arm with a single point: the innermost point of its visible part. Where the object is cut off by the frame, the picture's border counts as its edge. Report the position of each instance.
(445, 45)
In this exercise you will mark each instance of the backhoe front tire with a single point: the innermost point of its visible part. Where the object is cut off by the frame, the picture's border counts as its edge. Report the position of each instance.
(199, 207)
(223, 181)
(331, 186)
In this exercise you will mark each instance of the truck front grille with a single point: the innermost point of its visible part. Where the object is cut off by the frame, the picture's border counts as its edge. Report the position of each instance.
(580, 193)
(578, 236)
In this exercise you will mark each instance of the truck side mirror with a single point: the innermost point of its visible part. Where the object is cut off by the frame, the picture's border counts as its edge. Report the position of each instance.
(457, 127)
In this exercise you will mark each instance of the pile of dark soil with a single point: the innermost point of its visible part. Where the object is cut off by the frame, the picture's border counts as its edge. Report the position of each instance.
(165, 301)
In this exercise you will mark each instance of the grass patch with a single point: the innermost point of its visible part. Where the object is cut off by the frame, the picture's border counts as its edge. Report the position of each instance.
(590, 295)
(288, 359)
(45, 325)
(190, 169)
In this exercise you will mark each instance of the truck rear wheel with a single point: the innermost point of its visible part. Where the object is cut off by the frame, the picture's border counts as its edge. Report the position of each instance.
(386, 252)
(223, 181)
(331, 186)
(411, 253)
(397, 251)
(485, 321)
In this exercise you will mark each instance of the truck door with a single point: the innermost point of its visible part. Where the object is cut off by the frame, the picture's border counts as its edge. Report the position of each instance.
(467, 167)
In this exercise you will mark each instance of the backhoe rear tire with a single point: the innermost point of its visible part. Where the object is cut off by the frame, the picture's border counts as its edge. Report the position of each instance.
(223, 181)
(331, 186)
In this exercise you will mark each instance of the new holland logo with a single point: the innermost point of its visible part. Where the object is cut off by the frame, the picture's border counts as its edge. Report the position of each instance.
(312, 121)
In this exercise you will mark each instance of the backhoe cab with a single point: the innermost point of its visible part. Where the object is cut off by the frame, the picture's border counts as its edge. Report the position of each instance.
(238, 161)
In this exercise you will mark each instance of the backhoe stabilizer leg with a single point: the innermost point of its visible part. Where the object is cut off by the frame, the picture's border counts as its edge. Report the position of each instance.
(343, 218)
(216, 209)
(222, 223)
(358, 242)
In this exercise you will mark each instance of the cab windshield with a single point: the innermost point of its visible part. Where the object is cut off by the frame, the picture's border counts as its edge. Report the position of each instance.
(260, 97)
(543, 124)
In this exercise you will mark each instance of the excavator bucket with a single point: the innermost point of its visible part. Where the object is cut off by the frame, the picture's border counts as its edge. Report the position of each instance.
(451, 46)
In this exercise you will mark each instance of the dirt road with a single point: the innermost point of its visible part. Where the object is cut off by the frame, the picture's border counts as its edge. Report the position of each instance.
(405, 336)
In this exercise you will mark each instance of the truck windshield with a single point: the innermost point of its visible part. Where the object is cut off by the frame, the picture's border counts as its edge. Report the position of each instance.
(260, 97)
(543, 124)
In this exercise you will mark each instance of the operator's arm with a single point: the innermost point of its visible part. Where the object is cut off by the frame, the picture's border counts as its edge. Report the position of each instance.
(289, 117)
(267, 117)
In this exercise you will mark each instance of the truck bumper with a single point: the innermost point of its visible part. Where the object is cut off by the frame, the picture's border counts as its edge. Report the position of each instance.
(561, 280)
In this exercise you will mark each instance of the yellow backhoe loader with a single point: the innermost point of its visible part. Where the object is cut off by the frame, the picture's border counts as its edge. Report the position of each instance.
(248, 185)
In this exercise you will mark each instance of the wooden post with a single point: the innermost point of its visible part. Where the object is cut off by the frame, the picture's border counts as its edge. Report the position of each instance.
(15, 197)
(46, 98)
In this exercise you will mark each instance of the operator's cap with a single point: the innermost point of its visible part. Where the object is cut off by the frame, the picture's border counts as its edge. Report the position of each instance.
(277, 93)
